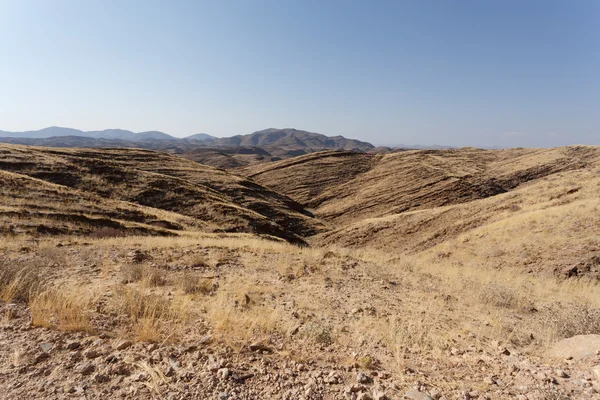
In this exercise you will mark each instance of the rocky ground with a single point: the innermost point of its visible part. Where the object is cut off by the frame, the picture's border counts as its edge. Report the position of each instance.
(47, 364)
(208, 362)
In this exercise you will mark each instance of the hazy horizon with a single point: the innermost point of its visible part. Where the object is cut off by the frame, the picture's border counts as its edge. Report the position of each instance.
(469, 73)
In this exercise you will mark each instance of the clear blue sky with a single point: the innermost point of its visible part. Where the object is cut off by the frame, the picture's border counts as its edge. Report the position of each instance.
(481, 73)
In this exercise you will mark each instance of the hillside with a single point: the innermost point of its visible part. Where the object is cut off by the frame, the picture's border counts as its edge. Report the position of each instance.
(210, 196)
(385, 184)
(548, 226)
(229, 158)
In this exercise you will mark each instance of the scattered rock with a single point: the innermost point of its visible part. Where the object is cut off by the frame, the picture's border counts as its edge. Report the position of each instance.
(123, 344)
(223, 373)
(101, 378)
(416, 395)
(87, 369)
(260, 347)
(363, 378)
(577, 347)
(46, 347)
(41, 357)
(73, 346)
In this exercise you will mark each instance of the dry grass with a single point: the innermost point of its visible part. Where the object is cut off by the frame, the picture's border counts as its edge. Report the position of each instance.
(63, 310)
(17, 282)
(241, 315)
(147, 275)
(192, 283)
(153, 317)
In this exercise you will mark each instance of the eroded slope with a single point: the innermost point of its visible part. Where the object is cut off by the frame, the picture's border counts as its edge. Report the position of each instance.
(358, 186)
(166, 182)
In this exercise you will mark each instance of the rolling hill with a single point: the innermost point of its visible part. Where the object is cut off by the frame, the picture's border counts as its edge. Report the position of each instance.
(359, 186)
(212, 198)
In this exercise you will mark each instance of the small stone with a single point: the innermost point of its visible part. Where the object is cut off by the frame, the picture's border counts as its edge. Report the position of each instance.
(223, 373)
(122, 345)
(260, 347)
(119, 369)
(46, 347)
(101, 378)
(73, 346)
(561, 374)
(489, 380)
(41, 357)
(416, 395)
(90, 354)
(87, 369)
(363, 378)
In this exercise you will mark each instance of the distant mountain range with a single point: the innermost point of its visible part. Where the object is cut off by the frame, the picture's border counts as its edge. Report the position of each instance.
(119, 134)
(288, 138)
(229, 152)
(266, 145)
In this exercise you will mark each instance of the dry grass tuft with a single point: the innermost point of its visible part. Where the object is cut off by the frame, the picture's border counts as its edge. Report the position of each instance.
(191, 283)
(17, 282)
(54, 309)
(153, 316)
(502, 295)
(240, 319)
(567, 320)
(148, 276)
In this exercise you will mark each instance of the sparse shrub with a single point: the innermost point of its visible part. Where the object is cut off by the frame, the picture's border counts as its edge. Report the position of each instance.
(192, 284)
(365, 362)
(318, 333)
(53, 309)
(501, 295)
(566, 320)
(17, 282)
(52, 256)
(148, 276)
(153, 317)
(138, 305)
(198, 261)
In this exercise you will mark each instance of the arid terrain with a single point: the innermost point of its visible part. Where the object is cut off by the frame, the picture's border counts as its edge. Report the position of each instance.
(338, 274)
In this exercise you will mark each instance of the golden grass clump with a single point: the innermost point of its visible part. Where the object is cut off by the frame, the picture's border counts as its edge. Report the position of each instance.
(60, 310)
(192, 283)
(148, 276)
(153, 317)
(17, 282)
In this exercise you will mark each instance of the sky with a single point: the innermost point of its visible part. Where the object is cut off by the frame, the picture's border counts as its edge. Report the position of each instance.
(449, 72)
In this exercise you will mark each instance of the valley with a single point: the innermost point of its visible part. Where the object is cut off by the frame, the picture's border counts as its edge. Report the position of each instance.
(338, 273)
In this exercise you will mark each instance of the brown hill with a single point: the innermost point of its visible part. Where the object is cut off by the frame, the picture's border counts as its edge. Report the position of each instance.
(228, 158)
(550, 225)
(359, 186)
(210, 196)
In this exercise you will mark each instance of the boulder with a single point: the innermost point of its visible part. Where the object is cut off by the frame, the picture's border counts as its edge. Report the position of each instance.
(576, 347)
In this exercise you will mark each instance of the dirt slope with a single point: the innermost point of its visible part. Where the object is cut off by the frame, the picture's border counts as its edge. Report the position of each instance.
(166, 182)
(550, 225)
(380, 185)
(306, 177)
(32, 206)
